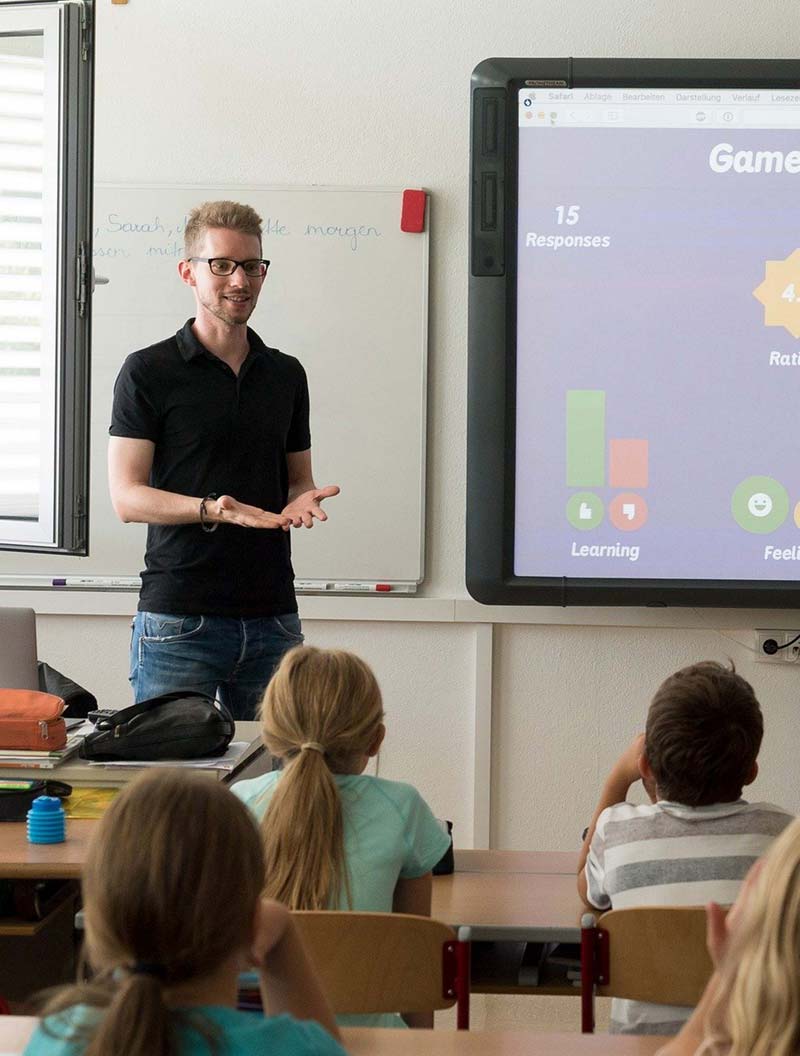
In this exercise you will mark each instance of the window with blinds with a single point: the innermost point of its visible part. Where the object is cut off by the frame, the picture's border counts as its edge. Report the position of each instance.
(26, 450)
(45, 194)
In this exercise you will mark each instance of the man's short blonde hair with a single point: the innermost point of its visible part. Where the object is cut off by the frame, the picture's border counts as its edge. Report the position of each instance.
(232, 215)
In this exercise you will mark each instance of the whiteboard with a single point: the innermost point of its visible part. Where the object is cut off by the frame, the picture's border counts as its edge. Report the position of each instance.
(347, 294)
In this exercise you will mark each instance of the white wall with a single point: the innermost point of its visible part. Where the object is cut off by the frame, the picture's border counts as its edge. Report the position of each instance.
(351, 92)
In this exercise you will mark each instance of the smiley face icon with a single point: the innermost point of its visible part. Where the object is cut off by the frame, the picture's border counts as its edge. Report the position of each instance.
(760, 504)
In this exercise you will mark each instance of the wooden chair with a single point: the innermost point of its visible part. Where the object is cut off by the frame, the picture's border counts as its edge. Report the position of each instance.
(388, 962)
(649, 953)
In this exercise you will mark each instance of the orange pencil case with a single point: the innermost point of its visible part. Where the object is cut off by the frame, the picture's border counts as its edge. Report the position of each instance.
(30, 720)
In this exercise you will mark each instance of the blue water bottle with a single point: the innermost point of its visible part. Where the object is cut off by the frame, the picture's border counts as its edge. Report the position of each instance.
(46, 821)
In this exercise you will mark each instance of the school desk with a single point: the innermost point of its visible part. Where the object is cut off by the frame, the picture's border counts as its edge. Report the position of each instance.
(516, 903)
(468, 861)
(364, 1041)
(14, 1033)
(20, 860)
(41, 953)
(505, 899)
(494, 892)
(499, 897)
(511, 896)
(16, 1030)
(76, 771)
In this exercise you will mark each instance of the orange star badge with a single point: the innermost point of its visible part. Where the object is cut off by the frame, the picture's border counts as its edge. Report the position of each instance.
(780, 293)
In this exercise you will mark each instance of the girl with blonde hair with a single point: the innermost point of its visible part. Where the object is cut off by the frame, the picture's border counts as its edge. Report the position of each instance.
(173, 909)
(751, 1006)
(335, 837)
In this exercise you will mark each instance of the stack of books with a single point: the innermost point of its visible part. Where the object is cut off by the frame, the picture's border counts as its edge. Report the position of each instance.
(40, 759)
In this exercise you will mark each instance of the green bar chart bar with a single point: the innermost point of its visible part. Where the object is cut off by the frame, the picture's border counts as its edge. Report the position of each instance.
(586, 438)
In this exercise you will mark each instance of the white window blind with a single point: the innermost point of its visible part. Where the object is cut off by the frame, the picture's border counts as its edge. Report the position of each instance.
(26, 449)
(46, 85)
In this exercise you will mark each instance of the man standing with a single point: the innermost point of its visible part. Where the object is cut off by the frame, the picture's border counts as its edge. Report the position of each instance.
(210, 446)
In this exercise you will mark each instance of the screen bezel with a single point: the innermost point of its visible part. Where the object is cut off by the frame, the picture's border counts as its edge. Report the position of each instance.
(491, 433)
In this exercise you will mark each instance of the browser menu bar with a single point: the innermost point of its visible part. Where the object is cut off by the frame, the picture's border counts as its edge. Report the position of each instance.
(646, 108)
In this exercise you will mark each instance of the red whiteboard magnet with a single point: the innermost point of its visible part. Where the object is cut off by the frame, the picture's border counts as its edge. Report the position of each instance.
(412, 218)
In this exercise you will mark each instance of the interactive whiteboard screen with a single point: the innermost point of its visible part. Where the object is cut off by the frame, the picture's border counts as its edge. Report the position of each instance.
(658, 317)
(635, 332)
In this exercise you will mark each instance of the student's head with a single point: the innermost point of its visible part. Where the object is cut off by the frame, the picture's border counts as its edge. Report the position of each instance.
(757, 1009)
(322, 714)
(702, 736)
(171, 889)
(223, 231)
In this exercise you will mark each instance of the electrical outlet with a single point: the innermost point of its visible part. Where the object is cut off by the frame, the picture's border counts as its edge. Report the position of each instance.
(773, 647)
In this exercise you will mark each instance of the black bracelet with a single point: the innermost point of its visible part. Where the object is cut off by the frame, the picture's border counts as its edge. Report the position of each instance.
(206, 525)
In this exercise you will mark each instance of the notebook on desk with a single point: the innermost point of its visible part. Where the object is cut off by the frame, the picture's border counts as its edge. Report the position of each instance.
(40, 759)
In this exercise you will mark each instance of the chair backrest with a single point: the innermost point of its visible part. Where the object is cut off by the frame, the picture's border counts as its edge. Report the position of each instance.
(653, 953)
(648, 953)
(382, 962)
(18, 649)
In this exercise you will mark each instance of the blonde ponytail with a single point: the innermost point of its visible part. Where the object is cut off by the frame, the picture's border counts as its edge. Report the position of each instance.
(321, 713)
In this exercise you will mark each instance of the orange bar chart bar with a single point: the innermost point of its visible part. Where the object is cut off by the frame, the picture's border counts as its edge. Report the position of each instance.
(628, 463)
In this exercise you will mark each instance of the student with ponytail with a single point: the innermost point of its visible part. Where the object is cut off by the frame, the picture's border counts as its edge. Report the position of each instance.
(174, 911)
(335, 837)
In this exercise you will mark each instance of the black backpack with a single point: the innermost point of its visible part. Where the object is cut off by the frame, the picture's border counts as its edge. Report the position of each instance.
(180, 725)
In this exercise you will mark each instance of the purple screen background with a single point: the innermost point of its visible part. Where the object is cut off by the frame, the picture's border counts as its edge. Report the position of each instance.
(665, 322)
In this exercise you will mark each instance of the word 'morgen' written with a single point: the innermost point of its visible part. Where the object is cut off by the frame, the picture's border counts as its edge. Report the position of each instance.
(353, 232)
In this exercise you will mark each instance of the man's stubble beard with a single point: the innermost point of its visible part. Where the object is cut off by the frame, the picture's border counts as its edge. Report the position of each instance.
(220, 312)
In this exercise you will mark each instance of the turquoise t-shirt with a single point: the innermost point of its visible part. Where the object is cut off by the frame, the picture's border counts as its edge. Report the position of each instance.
(389, 832)
(240, 1034)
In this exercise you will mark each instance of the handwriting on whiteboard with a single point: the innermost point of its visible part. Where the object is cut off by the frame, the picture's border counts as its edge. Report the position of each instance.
(122, 235)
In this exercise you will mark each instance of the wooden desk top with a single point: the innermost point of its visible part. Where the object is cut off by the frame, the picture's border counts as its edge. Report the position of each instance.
(517, 862)
(14, 1033)
(16, 1030)
(497, 905)
(46, 861)
(375, 1042)
(372, 1041)
(510, 906)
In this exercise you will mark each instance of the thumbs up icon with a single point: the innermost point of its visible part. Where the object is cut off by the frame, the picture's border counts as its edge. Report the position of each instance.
(585, 511)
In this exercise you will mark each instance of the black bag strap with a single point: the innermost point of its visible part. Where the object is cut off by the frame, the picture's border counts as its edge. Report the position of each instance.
(119, 718)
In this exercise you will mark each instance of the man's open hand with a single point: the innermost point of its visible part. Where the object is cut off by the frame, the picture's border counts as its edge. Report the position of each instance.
(231, 511)
(302, 510)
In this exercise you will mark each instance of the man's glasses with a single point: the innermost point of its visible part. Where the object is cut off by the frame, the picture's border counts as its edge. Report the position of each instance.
(254, 269)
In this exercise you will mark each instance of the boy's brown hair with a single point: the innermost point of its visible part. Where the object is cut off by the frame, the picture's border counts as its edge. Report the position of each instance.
(230, 215)
(703, 733)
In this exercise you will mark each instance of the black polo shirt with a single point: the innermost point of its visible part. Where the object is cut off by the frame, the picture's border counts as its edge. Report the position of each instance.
(216, 433)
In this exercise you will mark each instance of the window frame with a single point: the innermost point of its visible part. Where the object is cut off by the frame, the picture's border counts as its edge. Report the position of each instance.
(65, 26)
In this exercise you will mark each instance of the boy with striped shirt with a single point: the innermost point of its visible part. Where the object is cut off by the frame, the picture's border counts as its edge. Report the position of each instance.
(697, 838)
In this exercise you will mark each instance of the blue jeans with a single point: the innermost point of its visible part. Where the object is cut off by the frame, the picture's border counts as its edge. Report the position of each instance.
(221, 656)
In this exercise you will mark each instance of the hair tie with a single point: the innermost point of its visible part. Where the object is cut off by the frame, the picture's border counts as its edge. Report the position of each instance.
(312, 746)
(158, 971)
